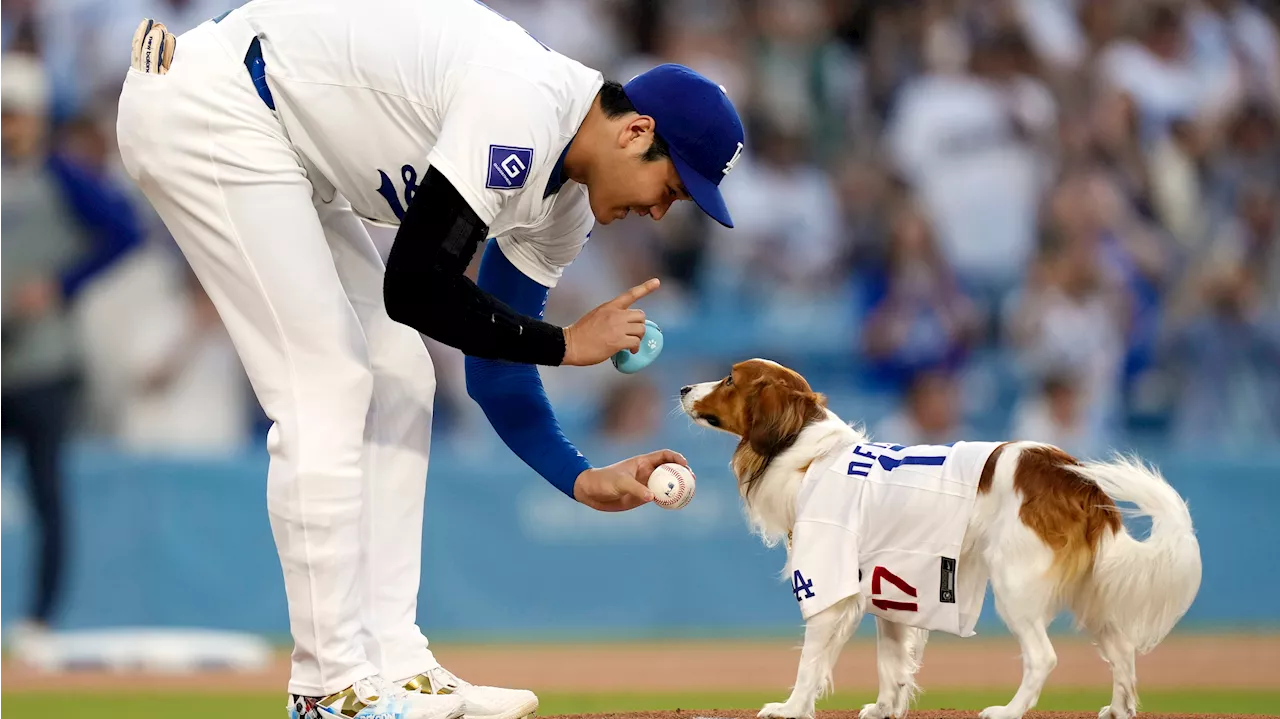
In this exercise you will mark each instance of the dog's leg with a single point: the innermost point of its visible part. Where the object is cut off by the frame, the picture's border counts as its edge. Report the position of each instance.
(1117, 651)
(1024, 604)
(917, 648)
(898, 651)
(825, 634)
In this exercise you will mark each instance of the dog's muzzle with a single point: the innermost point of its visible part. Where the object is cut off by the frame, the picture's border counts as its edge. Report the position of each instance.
(689, 396)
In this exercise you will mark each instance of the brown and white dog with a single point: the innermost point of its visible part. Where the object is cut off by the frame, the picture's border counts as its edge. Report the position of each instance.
(1044, 527)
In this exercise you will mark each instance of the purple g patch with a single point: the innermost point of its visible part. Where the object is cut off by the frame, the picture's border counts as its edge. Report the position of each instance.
(508, 167)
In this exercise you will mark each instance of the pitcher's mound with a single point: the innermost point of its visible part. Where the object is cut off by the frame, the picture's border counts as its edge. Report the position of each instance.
(853, 714)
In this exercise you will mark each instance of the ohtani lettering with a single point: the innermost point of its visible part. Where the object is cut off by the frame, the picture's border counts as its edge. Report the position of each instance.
(878, 452)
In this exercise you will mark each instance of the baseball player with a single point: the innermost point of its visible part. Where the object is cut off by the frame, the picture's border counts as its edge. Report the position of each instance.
(263, 137)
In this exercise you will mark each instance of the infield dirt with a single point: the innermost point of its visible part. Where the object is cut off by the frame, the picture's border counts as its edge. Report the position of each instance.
(1180, 662)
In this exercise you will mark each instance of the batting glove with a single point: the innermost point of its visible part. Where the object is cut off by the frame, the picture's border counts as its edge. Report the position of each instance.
(153, 47)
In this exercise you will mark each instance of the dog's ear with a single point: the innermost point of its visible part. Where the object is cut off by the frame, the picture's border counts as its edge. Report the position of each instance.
(776, 414)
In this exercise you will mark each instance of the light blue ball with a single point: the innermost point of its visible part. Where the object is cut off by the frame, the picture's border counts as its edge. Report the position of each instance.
(650, 348)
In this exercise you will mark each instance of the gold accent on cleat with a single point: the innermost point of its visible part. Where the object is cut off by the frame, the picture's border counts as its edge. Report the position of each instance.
(422, 684)
(350, 703)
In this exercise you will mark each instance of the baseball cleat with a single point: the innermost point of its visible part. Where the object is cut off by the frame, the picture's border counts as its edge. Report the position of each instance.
(481, 702)
(376, 698)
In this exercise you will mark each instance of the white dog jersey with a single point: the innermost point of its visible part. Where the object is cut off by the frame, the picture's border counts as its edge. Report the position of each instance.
(888, 522)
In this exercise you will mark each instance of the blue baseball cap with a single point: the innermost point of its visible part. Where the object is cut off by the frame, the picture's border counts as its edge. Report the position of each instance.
(699, 123)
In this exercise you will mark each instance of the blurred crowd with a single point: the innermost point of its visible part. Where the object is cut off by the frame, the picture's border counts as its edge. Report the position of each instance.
(1084, 192)
(1077, 198)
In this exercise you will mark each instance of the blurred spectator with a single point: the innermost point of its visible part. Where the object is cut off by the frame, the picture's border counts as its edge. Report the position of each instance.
(1068, 35)
(587, 30)
(1224, 337)
(1111, 140)
(63, 223)
(710, 36)
(930, 413)
(786, 235)
(907, 40)
(1072, 313)
(807, 83)
(917, 317)
(1054, 31)
(185, 391)
(1102, 21)
(1249, 152)
(1235, 37)
(915, 151)
(865, 192)
(975, 146)
(1160, 70)
(1178, 172)
(1249, 243)
(19, 26)
(1056, 414)
(631, 411)
(1088, 207)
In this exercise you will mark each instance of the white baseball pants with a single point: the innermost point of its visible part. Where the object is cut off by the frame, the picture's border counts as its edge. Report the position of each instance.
(298, 283)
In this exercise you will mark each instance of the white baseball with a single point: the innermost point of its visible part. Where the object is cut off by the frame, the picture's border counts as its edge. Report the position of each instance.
(672, 485)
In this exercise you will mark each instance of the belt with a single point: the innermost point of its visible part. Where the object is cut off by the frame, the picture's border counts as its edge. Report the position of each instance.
(258, 72)
(256, 66)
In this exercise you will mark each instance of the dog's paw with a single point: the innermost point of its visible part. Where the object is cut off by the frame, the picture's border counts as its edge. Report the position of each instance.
(1000, 713)
(1115, 713)
(876, 711)
(778, 710)
(894, 708)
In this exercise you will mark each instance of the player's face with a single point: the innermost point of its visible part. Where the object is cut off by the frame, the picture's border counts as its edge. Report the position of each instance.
(628, 183)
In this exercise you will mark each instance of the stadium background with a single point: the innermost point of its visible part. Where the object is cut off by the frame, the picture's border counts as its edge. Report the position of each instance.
(961, 219)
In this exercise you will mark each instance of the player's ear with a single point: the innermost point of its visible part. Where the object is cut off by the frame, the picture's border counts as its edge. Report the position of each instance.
(635, 131)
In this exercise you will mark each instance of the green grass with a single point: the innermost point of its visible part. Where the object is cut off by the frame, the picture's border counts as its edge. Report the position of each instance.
(164, 705)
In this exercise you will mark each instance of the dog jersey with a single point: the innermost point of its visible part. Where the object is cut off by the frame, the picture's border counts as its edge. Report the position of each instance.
(888, 522)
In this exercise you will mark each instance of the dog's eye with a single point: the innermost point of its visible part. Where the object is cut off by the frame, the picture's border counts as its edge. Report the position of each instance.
(728, 381)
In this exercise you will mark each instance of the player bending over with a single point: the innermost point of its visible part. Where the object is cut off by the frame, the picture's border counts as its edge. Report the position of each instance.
(263, 138)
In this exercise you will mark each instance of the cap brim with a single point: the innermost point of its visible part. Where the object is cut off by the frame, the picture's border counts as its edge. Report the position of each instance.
(705, 193)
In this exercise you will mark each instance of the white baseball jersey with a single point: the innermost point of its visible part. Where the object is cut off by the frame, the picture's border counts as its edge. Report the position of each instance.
(372, 93)
(888, 522)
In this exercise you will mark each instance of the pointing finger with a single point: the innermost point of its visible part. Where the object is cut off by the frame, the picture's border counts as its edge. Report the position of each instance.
(627, 298)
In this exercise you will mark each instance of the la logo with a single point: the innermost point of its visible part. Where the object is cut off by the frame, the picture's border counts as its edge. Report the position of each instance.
(732, 160)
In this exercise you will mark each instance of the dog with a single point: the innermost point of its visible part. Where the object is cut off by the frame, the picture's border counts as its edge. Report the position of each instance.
(915, 534)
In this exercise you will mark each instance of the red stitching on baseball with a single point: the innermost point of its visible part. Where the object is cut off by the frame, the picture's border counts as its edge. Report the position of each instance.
(680, 479)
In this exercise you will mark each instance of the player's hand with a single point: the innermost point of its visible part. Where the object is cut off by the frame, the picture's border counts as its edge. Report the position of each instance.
(606, 329)
(624, 485)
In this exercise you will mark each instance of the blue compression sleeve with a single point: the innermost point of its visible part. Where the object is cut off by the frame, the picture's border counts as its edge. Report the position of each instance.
(511, 394)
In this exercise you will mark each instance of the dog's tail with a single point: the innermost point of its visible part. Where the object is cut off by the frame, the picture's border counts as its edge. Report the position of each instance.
(1142, 588)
